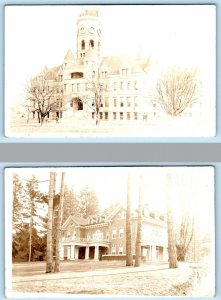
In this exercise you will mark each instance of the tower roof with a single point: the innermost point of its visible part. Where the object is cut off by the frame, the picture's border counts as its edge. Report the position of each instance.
(69, 55)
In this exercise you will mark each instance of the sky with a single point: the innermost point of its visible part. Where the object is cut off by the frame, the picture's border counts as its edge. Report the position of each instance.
(192, 187)
(36, 36)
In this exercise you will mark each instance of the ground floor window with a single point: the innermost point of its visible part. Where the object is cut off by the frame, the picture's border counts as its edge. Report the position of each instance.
(115, 115)
(93, 114)
(113, 250)
(120, 250)
(128, 116)
(101, 115)
(106, 115)
(135, 116)
(121, 116)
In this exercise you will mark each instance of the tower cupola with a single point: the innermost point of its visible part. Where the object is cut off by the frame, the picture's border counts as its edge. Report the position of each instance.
(88, 33)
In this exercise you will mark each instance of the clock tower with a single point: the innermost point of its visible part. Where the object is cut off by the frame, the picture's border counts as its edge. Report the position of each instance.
(88, 33)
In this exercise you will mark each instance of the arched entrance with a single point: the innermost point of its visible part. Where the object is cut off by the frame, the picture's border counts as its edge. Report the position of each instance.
(77, 104)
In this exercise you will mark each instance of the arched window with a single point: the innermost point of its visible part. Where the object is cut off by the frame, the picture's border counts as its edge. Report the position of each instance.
(82, 45)
(91, 43)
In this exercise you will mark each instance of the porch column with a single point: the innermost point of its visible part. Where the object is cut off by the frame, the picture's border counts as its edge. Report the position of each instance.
(72, 252)
(87, 252)
(61, 252)
(96, 253)
(154, 253)
(165, 254)
(76, 252)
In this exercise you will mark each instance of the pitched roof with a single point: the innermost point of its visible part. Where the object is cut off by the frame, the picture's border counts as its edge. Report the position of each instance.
(69, 55)
(77, 220)
(51, 74)
(115, 63)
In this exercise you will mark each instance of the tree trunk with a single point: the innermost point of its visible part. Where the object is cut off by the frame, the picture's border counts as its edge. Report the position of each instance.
(59, 223)
(139, 227)
(170, 227)
(129, 256)
(49, 254)
(30, 239)
(97, 118)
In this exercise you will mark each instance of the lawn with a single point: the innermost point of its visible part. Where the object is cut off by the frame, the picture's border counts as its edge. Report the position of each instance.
(113, 278)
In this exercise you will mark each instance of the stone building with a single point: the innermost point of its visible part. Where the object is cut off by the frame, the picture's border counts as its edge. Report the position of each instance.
(121, 80)
(105, 235)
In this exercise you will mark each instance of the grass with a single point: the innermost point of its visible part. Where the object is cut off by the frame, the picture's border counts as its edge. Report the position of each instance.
(110, 278)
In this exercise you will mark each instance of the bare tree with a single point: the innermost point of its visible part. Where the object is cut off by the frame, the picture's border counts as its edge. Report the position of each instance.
(59, 224)
(176, 91)
(139, 227)
(185, 236)
(49, 255)
(41, 97)
(170, 227)
(96, 87)
(129, 256)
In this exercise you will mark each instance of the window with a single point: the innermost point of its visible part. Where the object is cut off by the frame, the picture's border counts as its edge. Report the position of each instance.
(115, 115)
(135, 116)
(114, 234)
(106, 115)
(93, 74)
(60, 77)
(121, 101)
(76, 75)
(136, 85)
(121, 116)
(91, 43)
(121, 233)
(120, 250)
(128, 85)
(128, 116)
(113, 249)
(121, 85)
(65, 87)
(78, 87)
(104, 74)
(128, 101)
(101, 115)
(135, 101)
(115, 86)
(93, 115)
(106, 102)
(82, 45)
(115, 102)
(124, 72)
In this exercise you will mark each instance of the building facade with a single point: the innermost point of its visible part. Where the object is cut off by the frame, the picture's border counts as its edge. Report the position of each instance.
(105, 235)
(120, 80)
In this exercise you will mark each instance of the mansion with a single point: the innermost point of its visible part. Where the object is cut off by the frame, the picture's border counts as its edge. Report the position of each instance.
(104, 236)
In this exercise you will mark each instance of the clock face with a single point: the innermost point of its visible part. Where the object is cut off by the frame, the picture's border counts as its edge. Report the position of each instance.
(91, 29)
(82, 30)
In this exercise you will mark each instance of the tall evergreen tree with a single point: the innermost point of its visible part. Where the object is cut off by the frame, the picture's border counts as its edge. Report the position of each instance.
(139, 226)
(59, 224)
(49, 256)
(88, 202)
(129, 256)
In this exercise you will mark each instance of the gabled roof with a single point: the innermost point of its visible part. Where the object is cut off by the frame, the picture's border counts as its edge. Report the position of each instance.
(69, 55)
(114, 212)
(77, 220)
(51, 74)
(114, 64)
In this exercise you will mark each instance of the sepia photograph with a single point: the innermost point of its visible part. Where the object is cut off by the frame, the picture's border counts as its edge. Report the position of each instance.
(110, 231)
(110, 71)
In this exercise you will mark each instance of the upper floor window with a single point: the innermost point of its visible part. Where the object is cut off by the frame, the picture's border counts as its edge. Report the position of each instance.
(124, 72)
(77, 75)
(121, 233)
(114, 233)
